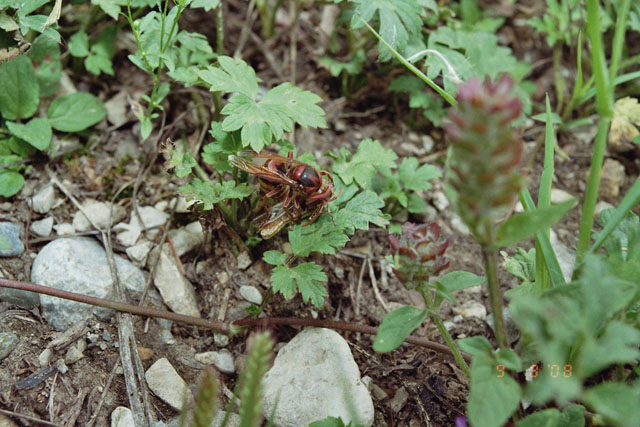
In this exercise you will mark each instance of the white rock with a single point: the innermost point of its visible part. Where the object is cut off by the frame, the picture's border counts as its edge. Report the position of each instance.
(79, 264)
(601, 206)
(440, 201)
(223, 360)
(43, 227)
(129, 233)
(183, 206)
(244, 261)
(162, 205)
(559, 196)
(472, 309)
(164, 382)
(44, 199)
(221, 340)
(75, 352)
(251, 294)
(45, 357)
(64, 229)
(177, 292)
(139, 253)
(117, 109)
(122, 417)
(99, 213)
(458, 225)
(566, 257)
(187, 238)
(314, 376)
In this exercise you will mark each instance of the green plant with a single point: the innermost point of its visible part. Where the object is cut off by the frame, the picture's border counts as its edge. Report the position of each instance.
(22, 85)
(418, 258)
(420, 100)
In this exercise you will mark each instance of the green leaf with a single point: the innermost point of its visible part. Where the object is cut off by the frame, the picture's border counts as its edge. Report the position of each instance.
(522, 264)
(360, 211)
(321, 236)
(417, 178)
(618, 403)
(331, 422)
(45, 57)
(544, 418)
(416, 204)
(209, 194)
(363, 164)
(19, 91)
(79, 44)
(10, 183)
(398, 19)
(234, 75)
(183, 162)
(76, 112)
(618, 344)
(509, 359)
(521, 226)
(36, 132)
(299, 105)
(274, 257)
(110, 7)
(207, 5)
(475, 346)
(458, 280)
(306, 277)
(493, 398)
(396, 326)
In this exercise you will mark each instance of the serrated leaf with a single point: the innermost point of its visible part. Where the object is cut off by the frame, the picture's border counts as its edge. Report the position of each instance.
(396, 326)
(233, 75)
(209, 194)
(417, 178)
(76, 112)
(274, 257)
(36, 132)
(19, 91)
(363, 209)
(363, 164)
(618, 403)
(617, 344)
(299, 105)
(183, 162)
(398, 19)
(321, 236)
(306, 277)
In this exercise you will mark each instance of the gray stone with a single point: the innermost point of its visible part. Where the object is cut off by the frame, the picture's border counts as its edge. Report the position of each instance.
(19, 297)
(139, 252)
(64, 229)
(251, 294)
(151, 217)
(440, 201)
(612, 178)
(566, 256)
(187, 238)
(244, 261)
(471, 309)
(99, 213)
(458, 225)
(122, 417)
(399, 399)
(44, 199)
(223, 360)
(43, 227)
(166, 383)
(314, 376)
(79, 264)
(8, 342)
(11, 232)
(177, 292)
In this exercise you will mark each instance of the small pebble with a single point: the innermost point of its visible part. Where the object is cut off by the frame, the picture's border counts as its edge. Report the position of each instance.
(251, 294)
(8, 342)
(43, 227)
(244, 261)
(223, 360)
(11, 233)
(44, 199)
(399, 399)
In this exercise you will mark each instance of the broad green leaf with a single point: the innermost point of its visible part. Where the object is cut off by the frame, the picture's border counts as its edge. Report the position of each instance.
(398, 19)
(110, 7)
(10, 183)
(330, 422)
(300, 105)
(306, 277)
(19, 91)
(475, 346)
(76, 112)
(618, 344)
(416, 204)
(509, 359)
(544, 418)
(274, 257)
(417, 178)
(207, 5)
(493, 398)
(233, 75)
(45, 57)
(79, 44)
(363, 164)
(360, 211)
(396, 326)
(458, 280)
(36, 132)
(521, 226)
(618, 403)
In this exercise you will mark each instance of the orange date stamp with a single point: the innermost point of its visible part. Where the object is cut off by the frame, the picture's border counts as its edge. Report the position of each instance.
(533, 371)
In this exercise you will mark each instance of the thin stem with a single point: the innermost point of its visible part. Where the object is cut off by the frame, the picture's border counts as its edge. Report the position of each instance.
(618, 41)
(220, 30)
(495, 298)
(435, 316)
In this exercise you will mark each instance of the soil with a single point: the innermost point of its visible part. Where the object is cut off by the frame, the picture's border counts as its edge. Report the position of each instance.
(436, 389)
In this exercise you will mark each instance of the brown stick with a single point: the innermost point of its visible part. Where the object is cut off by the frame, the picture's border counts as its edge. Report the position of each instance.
(217, 326)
